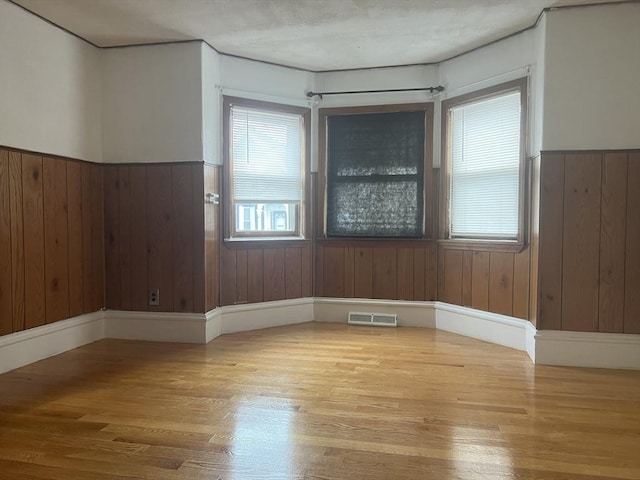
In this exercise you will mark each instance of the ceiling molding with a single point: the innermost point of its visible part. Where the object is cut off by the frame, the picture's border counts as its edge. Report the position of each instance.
(316, 71)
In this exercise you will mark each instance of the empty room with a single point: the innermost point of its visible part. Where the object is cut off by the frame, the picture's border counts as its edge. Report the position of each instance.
(319, 239)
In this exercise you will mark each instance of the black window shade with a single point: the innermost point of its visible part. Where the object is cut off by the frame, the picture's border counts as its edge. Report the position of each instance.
(375, 175)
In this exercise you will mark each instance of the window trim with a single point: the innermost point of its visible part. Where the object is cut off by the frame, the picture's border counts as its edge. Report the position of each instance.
(503, 245)
(303, 226)
(321, 191)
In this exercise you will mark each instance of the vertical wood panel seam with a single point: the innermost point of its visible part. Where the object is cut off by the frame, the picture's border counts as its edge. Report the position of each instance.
(624, 237)
(66, 200)
(19, 241)
(9, 253)
(397, 289)
(600, 191)
(562, 190)
(461, 277)
(624, 264)
(146, 183)
(44, 243)
(171, 238)
(513, 281)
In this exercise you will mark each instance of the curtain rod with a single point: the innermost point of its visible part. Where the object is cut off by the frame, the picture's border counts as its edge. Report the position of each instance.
(439, 88)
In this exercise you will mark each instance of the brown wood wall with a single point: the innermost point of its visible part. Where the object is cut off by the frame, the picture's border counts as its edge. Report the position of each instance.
(154, 231)
(381, 269)
(251, 272)
(212, 229)
(51, 239)
(62, 220)
(589, 242)
(263, 274)
(495, 282)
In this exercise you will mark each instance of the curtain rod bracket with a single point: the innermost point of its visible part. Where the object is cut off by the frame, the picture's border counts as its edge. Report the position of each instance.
(439, 88)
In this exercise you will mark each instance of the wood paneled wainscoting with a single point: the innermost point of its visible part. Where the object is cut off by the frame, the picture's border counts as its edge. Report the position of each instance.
(381, 269)
(491, 281)
(589, 241)
(265, 273)
(155, 236)
(212, 219)
(51, 239)
(257, 270)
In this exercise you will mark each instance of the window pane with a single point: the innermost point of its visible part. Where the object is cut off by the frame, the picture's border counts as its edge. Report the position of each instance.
(266, 217)
(267, 152)
(376, 144)
(484, 151)
(265, 155)
(380, 209)
(375, 174)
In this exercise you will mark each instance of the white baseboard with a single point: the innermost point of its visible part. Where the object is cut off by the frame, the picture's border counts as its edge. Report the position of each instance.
(531, 341)
(213, 326)
(29, 346)
(490, 327)
(253, 316)
(587, 349)
(410, 314)
(580, 349)
(202, 328)
(156, 326)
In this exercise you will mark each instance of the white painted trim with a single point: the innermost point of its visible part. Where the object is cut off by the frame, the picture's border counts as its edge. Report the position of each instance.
(531, 341)
(587, 349)
(253, 316)
(232, 92)
(156, 326)
(202, 328)
(410, 314)
(22, 348)
(580, 349)
(490, 327)
(213, 327)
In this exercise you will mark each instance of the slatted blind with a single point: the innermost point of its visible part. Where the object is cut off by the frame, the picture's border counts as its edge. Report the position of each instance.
(485, 168)
(266, 155)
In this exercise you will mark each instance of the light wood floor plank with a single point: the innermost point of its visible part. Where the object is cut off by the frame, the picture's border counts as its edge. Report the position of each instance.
(316, 401)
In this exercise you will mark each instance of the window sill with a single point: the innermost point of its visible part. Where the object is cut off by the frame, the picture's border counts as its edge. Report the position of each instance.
(483, 245)
(373, 242)
(265, 242)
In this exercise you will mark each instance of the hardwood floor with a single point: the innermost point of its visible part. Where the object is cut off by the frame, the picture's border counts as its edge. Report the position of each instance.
(316, 401)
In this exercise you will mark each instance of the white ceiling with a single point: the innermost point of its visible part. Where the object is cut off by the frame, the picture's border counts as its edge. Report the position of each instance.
(315, 35)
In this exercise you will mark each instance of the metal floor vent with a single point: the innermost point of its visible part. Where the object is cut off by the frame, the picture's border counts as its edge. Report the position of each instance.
(373, 319)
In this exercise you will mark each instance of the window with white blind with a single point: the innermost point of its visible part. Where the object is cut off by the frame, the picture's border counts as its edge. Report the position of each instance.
(265, 147)
(485, 152)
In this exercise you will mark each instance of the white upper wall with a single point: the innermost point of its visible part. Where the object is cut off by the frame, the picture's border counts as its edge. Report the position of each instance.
(49, 88)
(537, 86)
(152, 103)
(211, 105)
(162, 103)
(592, 78)
(263, 81)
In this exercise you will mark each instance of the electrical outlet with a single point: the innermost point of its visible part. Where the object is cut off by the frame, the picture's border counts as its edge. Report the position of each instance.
(154, 296)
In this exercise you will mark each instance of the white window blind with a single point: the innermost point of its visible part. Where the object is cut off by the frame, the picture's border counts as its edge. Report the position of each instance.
(485, 168)
(266, 155)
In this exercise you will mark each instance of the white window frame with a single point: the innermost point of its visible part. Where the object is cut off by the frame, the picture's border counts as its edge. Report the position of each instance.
(519, 85)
